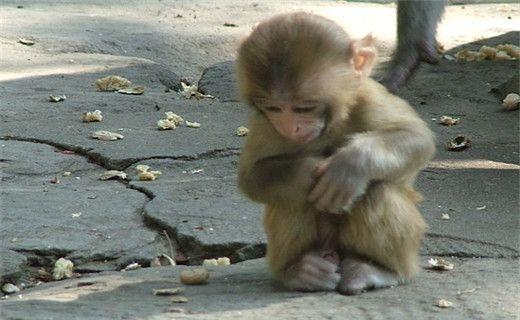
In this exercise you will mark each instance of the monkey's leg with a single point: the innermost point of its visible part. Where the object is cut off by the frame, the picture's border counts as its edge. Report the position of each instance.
(416, 29)
(383, 232)
(292, 237)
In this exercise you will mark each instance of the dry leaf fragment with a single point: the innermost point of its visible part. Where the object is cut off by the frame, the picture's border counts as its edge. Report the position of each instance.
(162, 260)
(468, 55)
(63, 268)
(175, 118)
(167, 291)
(10, 288)
(511, 101)
(132, 266)
(228, 24)
(53, 98)
(488, 52)
(112, 83)
(443, 303)
(26, 41)
(242, 131)
(179, 299)
(106, 135)
(190, 124)
(449, 121)
(194, 276)
(113, 174)
(459, 143)
(440, 264)
(445, 216)
(165, 124)
(94, 116)
(133, 90)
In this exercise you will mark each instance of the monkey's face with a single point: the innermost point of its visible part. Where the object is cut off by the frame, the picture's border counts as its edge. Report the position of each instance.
(299, 122)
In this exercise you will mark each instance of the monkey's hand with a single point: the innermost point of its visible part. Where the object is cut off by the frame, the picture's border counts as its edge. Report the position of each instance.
(341, 181)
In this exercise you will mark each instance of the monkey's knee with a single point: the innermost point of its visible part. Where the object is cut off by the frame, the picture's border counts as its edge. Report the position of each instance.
(387, 228)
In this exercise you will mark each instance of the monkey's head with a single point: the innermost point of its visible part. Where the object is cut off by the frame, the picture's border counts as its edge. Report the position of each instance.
(301, 71)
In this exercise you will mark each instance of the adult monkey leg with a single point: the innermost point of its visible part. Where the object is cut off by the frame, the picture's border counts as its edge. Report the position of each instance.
(295, 254)
(416, 43)
(382, 235)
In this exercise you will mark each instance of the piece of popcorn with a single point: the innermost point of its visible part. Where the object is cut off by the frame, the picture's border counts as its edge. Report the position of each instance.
(92, 116)
(142, 168)
(165, 124)
(190, 124)
(63, 268)
(175, 118)
(511, 101)
(242, 131)
(148, 175)
(106, 135)
(449, 121)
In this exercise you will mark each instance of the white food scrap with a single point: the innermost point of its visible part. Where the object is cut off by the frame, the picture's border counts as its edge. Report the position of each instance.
(481, 208)
(511, 101)
(132, 90)
(179, 299)
(142, 168)
(106, 135)
(26, 41)
(167, 291)
(194, 276)
(76, 214)
(192, 91)
(162, 260)
(94, 116)
(113, 174)
(144, 173)
(502, 52)
(445, 216)
(66, 174)
(449, 121)
(242, 131)
(440, 264)
(512, 50)
(223, 261)
(175, 118)
(132, 266)
(63, 269)
(53, 98)
(10, 288)
(209, 263)
(112, 83)
(443, 303)
(190, 124)
(165, 124)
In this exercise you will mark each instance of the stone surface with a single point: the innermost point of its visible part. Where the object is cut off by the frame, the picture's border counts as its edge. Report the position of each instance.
(219, 81)
(11, 265)
(245, 291)
(80, 217)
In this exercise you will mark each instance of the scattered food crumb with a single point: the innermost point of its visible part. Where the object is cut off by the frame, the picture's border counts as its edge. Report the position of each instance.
(459, 143)
(179, 299)
(167, 291)
(94, 116)
(145, 175)
(467, 291)
(481, 208)
(511, 102)
(162, 260)
(66, 174)
(142, 168)
(242, 131)
(132, 266)
(443, 303)
(223, 261)
(449, 121)
(55, 180)
(510, 49)
(445, 216)
(133, 90)
(440, 264)
(26, 41)
(502, 52)
(53, 98)
(228, 24)
(106, 135)
(165, 124)
(194, 276)
(63, 269)
(113, 174)
(209, 263)
(10, 288)
(192, 91)
(175, 118)
(190, 124)
(195, 171)
(112, 83)
(76, 214)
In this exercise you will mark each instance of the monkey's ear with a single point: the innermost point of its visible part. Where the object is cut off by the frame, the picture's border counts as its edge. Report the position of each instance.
(363, 55)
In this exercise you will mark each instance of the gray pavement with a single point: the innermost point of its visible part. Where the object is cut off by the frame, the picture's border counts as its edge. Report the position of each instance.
(102, 226)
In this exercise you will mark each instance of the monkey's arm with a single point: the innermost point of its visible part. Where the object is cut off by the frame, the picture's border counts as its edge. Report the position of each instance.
(393, 145)
(272, 170)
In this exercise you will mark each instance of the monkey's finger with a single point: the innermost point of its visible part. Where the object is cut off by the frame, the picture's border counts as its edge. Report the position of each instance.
(319, 189)
(339, 202)
(326, 200)
(321, 167)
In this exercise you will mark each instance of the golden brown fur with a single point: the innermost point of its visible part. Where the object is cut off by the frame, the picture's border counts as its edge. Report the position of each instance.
(382, 227)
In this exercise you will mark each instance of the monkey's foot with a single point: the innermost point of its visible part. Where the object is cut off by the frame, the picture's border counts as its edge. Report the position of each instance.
(359, 276)
(313, 272)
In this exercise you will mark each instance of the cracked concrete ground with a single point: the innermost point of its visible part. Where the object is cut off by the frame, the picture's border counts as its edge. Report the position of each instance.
(102, 226)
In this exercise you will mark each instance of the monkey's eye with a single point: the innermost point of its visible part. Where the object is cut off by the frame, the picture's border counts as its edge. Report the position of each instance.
(304, 109)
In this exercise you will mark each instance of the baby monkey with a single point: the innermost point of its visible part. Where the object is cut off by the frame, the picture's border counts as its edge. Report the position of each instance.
(332, 155)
